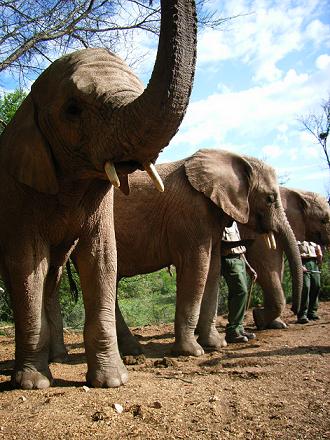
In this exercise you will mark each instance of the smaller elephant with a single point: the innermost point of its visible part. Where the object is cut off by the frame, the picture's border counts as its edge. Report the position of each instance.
(309, 216)
(184, 226)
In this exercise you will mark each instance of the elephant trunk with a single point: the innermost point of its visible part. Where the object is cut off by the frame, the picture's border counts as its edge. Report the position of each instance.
(150, 121)
(290, 247)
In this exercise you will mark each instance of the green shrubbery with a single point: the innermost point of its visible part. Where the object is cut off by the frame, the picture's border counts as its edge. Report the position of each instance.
(150, 299)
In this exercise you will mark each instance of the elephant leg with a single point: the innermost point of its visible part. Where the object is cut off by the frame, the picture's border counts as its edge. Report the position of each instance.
(269, 315)
(97, 265)
(25, 275)
(57, 352)
(128, 344)
(208, 335)
(191, 281)
(269, 270)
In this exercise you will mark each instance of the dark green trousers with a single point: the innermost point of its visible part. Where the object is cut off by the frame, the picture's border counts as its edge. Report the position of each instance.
(234, 272)
(311, 289)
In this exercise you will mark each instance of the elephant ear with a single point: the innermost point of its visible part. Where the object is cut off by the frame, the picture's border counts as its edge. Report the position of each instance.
(25, 153)
(293, 197)
(223, 177)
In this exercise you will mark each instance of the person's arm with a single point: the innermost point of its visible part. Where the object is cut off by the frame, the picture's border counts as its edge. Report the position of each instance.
(319, 255)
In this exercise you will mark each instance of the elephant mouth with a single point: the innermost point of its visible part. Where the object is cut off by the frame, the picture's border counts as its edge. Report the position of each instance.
(112, 169)
(127, 167)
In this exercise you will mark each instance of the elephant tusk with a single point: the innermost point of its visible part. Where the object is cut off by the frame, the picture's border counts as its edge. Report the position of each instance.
(272, 241)
(110, 171)
(267, 240)
(154, 176)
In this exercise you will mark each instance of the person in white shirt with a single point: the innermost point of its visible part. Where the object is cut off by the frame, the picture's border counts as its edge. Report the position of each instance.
(311, 257)
(234, 268)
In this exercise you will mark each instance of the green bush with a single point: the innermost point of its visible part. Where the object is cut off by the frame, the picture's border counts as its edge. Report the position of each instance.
(150, 299)
(325, 277)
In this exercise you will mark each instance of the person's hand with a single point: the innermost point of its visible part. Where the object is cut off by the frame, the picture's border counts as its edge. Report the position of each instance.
(252, 273)
(305, 269)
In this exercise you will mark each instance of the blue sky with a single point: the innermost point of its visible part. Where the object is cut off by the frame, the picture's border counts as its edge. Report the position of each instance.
(254, 78)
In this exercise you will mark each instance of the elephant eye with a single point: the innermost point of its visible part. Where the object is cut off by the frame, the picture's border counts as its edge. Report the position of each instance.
(271, 198)
(73, 110)
(325, 220)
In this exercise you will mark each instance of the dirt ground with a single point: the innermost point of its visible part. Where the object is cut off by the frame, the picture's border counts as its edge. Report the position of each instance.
(275, 387)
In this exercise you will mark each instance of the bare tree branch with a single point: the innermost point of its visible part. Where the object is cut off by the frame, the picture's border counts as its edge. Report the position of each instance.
(33, 33)
(318, 125)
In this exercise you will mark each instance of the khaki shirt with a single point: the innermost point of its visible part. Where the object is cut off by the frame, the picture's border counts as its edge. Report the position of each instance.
(232, 234)
(307, 249)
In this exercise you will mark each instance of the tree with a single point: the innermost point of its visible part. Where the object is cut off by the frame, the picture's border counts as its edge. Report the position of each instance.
(9, 103)
(318, 125)
(34, 33)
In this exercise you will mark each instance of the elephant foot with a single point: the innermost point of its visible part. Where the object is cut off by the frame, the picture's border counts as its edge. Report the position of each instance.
(187, 348)
(31, 379)
(213, 341)
(129, 346)
(112, 377)
(60, 356)
(258, 317)
(277, 324)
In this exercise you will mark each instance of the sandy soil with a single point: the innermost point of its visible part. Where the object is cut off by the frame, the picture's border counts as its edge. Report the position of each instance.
(276, 387)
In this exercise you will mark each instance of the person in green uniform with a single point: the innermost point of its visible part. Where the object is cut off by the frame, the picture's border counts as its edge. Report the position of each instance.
(311, 257)
(234, 267)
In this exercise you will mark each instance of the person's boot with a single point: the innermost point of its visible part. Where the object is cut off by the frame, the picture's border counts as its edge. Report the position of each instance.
(302, 319)
(313, 316)
(235, 337)
(248, 335)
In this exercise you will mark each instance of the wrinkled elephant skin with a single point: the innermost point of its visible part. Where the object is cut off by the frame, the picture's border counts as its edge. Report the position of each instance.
(87, 117)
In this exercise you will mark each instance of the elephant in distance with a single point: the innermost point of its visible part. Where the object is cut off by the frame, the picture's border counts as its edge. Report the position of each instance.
(309, 216)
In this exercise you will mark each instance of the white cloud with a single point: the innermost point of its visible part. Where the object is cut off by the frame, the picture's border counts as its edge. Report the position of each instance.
(318, 32)
(267, 35)
(251, 112)
(323, 62)
(272, 151)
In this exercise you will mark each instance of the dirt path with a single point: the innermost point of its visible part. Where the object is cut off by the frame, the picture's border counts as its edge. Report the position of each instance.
(276, 387)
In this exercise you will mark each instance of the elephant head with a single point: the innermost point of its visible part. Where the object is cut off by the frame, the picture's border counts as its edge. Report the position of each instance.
(89, 116)
(246, 189)
(308, 214)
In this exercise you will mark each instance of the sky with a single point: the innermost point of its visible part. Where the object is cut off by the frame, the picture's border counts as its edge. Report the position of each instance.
(255, 77)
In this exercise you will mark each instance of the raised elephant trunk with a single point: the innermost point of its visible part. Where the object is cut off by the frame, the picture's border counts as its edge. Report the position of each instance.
(152, 119)
(290, 247)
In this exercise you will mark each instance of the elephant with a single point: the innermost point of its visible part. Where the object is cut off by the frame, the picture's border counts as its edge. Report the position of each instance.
(309, 216)
(86, 124)
(184, 226)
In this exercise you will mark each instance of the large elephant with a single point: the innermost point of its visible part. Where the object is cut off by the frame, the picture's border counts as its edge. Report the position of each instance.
(184, 227)
(309, 216)
(87, 117)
